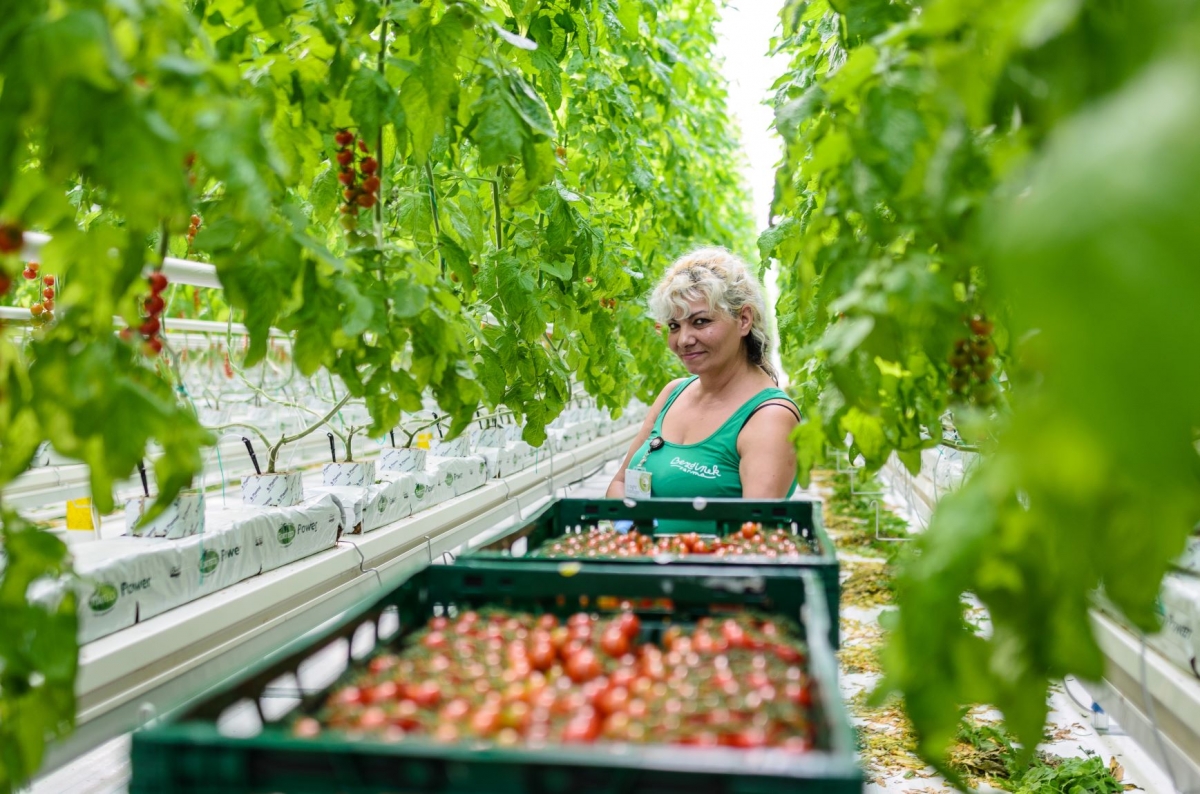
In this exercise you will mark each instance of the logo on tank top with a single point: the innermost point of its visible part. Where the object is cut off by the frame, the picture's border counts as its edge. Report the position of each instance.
(697, 469)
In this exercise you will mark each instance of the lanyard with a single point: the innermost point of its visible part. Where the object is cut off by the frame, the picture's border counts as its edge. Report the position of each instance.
(656, 443)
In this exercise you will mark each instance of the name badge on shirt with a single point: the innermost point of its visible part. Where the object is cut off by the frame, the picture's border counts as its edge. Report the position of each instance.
(637, 479)
(637, 483)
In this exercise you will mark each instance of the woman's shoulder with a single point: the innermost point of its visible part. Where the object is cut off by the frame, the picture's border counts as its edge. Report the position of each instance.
(661, 400)
(669, 389)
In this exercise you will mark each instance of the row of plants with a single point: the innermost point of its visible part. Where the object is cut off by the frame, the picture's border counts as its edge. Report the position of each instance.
(983, 233)
(983, 751)
(449, 197)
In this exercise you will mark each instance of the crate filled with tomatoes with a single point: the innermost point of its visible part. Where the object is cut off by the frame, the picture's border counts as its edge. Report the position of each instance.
(611, 535)
(471, 681)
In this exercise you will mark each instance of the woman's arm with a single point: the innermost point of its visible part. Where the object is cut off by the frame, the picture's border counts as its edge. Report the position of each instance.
(768, 466)
(616, 489)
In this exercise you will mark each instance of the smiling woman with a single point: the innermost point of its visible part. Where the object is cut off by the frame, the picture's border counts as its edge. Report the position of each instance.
(724, 431)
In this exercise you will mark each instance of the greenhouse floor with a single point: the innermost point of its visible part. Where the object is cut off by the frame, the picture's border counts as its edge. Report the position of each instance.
(106, 769)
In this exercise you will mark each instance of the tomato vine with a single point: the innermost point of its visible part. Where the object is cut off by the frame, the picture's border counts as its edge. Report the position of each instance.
(979, 227)
(529, 168)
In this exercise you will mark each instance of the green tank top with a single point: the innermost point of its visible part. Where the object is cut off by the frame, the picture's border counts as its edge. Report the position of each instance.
(708, 468)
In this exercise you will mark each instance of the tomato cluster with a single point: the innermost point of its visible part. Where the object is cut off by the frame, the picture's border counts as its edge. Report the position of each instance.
(518, 678)
(750, 540)
(42, 309)
(152, 309)
(971, 366)
(193, 227)
(357, 195)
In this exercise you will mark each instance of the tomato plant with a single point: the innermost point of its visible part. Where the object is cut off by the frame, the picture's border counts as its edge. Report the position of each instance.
(958, 249)
(411, 190)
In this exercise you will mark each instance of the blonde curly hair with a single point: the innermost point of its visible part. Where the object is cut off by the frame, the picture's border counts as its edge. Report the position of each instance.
(718, 277)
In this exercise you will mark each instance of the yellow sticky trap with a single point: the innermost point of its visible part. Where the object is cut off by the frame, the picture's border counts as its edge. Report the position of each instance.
(81, 514)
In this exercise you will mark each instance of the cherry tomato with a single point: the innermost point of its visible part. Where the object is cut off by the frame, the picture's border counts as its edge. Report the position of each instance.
(425, 694)
(614, 642)
(583, 666)
(306, 728)
(542, 656)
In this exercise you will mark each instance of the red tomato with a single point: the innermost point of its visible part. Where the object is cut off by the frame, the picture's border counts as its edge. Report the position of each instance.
(387, 691)
(372, 719)
(631, 625)
(614, 642)
(542, 656)
(306, 728)
(583, 666)
(787, 653)
(612, 699)
(746, 738)
(798, 693)
(382, 662)
(583, 727)
(734, 634)
(623, 676)
(426, 693)
(350, 696)
(486, 721)
(455, 710)
(700, 739)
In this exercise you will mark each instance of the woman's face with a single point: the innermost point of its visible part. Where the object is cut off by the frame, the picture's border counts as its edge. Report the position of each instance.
(708, 340)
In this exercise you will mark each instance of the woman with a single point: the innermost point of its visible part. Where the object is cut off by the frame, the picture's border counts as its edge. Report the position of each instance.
(723, 432)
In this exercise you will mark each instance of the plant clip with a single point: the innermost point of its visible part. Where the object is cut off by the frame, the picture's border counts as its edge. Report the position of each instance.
(392, 434)
(332, 448)
(253, 457)
(145, 482)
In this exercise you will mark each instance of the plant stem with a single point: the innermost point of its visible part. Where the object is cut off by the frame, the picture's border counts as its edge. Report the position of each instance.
(289, 439)
(413, 434)
(437, 225)
(383, 35)
(496, 204)
(243, 426)
(259, 392)
(957, 446)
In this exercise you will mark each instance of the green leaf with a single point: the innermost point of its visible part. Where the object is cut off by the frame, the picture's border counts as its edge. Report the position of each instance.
(560, 270)
(498, 126)
(457, 259)
(372, 101)
(408, 298)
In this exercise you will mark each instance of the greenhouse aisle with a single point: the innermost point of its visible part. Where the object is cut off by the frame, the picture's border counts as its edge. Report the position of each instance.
(106, 769)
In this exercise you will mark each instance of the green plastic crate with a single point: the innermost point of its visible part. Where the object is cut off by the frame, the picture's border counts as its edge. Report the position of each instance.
(710, 516)
(191, 754)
